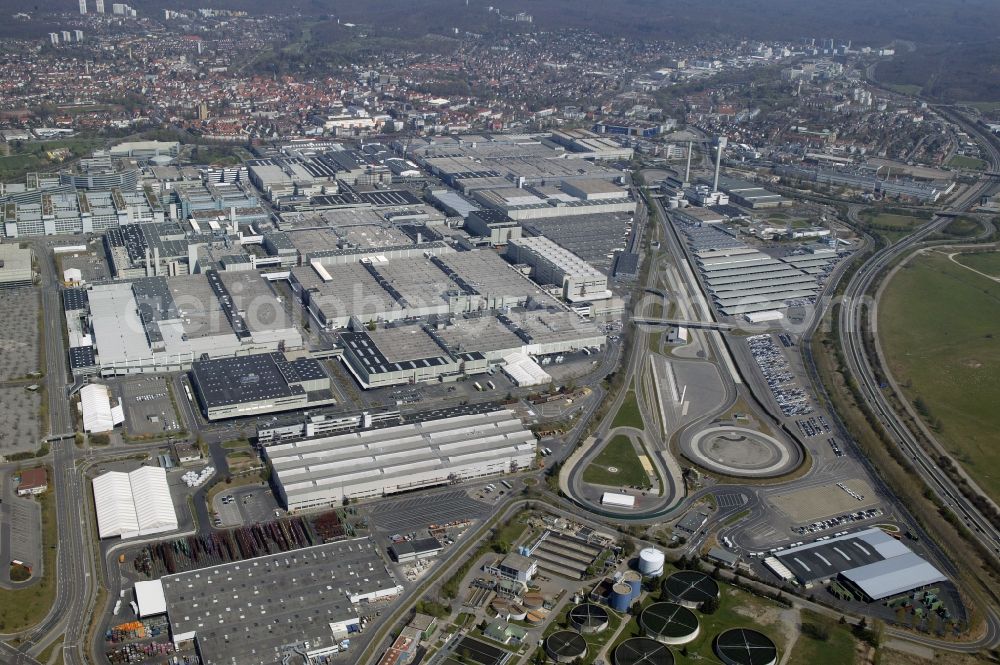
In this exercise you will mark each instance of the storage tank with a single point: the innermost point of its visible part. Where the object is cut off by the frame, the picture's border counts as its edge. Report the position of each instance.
(744, 646)
(621, 597)
(634, 580)
(565, 646)
(651, 562)
(690, 588)
(589, 618)
(669, 623)
(517, 613)
(533, 600)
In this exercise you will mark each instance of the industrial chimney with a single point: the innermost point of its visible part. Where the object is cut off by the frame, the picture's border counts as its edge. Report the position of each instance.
(718, 161)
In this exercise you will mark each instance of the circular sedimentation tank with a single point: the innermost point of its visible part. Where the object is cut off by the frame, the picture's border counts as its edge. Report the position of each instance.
(565, 646)
(535, 617)
(745, 646)
(643, 651)
(588, 618)
(669, 623)
(533, 600)
(690, 588)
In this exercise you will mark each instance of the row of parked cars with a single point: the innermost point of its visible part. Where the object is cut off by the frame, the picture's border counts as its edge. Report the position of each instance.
(792, 399)
(833, 522)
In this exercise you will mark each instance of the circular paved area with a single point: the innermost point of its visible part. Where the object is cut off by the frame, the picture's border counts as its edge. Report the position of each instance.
(742, 452)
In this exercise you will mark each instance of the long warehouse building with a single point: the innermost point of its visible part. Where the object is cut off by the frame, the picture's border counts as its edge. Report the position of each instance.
(376, 462)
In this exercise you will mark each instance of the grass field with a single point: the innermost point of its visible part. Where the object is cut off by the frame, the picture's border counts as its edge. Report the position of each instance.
(940, 328)
(628, 415)
(963, 162)
(25, 607)
(620, 454)
(838, 649)
(904, 88)
(962, 227)
(987, 262)
(890, 226)
(985, 107)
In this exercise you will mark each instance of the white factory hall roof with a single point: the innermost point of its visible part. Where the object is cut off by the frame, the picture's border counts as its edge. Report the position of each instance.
(149, 598)
(566, 260)
(524, 371)
(98, 415)
(133, 504)
(393, 457)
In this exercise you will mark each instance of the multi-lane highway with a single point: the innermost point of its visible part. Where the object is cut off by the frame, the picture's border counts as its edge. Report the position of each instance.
(853, 327)
(74, 582)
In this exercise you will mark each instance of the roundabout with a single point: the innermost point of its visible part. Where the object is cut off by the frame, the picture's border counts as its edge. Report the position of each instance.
(742, 452)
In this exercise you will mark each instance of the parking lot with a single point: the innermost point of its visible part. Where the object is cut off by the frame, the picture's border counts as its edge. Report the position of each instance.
(18, 419)
(406, 515)
(840, 520)
(245, 505)
(18, 333)
(814, 426)
(822, 502)
(21, 518)
(790, 397)
(148, 408)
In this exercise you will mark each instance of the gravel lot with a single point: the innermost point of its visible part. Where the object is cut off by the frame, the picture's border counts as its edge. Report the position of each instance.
(18, 419)
(18, 333)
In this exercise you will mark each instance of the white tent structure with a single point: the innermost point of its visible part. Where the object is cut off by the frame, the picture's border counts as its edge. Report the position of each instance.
(618, 500)
(133, 504)
(524, 371)
(149, 598)
(98, 416)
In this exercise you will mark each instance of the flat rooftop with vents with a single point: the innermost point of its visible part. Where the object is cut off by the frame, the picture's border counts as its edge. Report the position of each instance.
(433, 450)
(245, 612)
(258, 384)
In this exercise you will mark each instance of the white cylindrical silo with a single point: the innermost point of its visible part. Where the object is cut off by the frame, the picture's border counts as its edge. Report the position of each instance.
(651, 561)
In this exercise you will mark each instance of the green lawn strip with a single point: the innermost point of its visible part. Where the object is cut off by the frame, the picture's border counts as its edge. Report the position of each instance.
(44, 656)
(963, 227)
(628, 415)
(836, 649)
(940, 329)
(620, 454)
(986, 262)
(963, 162)
(22, 608)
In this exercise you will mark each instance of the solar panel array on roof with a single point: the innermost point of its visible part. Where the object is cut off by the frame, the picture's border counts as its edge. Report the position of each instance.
(225, 381)
(236, 319)
(82, 357)
(391, 197)
(74, 299)
(375, 361)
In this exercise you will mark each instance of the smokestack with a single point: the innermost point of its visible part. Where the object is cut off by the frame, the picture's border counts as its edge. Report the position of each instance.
(156, 260)
(718, 161)
(149, 265)
(687, 171)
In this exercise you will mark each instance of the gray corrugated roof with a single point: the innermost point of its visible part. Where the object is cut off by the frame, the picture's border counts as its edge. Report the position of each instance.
(894, 576)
